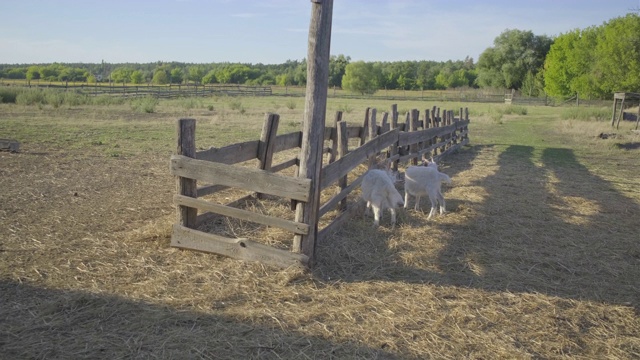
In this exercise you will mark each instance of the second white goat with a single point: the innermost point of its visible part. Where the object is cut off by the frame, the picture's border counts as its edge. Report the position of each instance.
(425, 180)
(379, 191)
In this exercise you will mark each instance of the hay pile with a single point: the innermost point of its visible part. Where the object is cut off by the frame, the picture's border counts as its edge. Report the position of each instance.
(537, 258)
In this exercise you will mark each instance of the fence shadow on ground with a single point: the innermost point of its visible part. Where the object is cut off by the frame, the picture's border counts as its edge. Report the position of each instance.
(555, 229)
(72, 324)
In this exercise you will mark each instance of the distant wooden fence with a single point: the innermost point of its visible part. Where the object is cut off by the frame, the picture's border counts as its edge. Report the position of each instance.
(434, 135)
(163, 91)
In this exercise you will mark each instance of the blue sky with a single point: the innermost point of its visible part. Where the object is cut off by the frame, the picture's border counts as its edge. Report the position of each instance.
(274, 31)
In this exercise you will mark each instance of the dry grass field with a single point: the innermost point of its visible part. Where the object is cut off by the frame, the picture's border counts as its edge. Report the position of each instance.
(537, 258)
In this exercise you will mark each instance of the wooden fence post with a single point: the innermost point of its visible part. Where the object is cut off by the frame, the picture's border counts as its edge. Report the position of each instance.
(186, 146)
(413, 126)
(314, 122)
(334, 136)
(267, 140)
(394, 125)
(365, 127)
(373, 132)
(343, 149)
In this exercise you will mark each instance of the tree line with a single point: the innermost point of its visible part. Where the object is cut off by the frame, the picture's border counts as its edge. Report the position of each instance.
(594, 62)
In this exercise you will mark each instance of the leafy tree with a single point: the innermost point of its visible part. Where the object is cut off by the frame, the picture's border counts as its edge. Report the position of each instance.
(121, 74)
(176, 76)
(515, 53)
(137, 77)
(337, 65)
(33, 73)
(360, 77)
(426, 75)
(210, 77)
(300, 74)
(16, 73)
(160, 77)
(285, 79)
(617, 54)
(196, 73)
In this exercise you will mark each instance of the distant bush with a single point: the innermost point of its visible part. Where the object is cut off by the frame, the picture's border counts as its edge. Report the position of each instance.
(517, 110)
(582, 113)
(30, 97)
(146, 104)
(191, 103)
(9, 94)
(235, 104)
(107, 100)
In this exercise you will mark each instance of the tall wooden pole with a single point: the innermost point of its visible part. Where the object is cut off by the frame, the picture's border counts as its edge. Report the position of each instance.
(314, 121)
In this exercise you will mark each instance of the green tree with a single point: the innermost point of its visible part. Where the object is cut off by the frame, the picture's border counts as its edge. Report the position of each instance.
(515, 53)
(176, 76)
(121, 74)
(360, 77)
(210, 77)
(196, 73)
(33, 73)
(160, 77)
(337, 65)
(618, 54)
(137, 77)
(285, 79)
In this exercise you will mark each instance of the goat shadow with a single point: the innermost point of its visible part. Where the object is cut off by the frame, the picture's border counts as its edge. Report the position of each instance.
(557, 239)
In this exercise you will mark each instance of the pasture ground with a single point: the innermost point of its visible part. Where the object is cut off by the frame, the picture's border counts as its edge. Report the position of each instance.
(537, 258)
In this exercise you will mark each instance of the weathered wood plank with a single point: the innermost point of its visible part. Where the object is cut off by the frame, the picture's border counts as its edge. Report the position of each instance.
(344, 165)
(287, 141)
(333, 202)
(241, 177)
(231, 154)
(284, 165)
(408, 138)
(292, 226)
(186, 148)
(343, 149)
(241, 249)
(354, 131)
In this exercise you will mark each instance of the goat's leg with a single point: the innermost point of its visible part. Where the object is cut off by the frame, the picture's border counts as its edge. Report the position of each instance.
(393, 217)
(434, 206)
(367, 210)
(406, 199)
(376, 216)
(417, 206)
(442, 203)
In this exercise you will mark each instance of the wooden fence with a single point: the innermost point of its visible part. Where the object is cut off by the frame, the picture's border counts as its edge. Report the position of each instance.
(162, 91)
(436, 134)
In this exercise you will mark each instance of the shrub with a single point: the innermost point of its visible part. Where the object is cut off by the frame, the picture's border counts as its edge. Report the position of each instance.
(31, 97)
(581, 113)
(146, 104)
(8, 94)
(235, 104)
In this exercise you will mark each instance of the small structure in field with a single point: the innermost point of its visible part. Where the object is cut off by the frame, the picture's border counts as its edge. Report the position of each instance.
(622, 97)
(9, 145)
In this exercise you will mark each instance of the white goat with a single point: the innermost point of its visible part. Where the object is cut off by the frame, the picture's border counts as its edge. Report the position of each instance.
(379, 191)
(425, 180)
